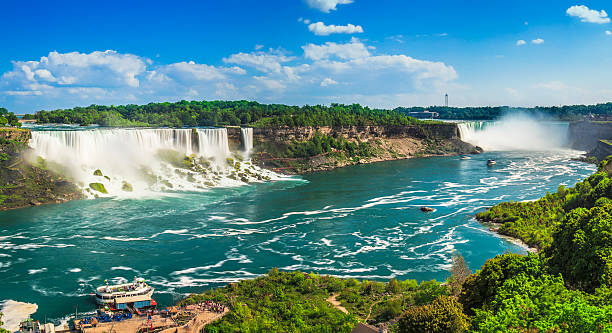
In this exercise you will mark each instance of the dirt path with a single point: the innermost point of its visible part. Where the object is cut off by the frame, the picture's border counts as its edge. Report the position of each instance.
(332, 300)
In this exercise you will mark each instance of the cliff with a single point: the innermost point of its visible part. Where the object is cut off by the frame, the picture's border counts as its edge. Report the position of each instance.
(585, 135)
(21, 183)
(275, 148)
(602, 149)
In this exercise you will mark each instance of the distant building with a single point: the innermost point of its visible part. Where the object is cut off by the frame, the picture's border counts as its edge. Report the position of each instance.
(424, 114)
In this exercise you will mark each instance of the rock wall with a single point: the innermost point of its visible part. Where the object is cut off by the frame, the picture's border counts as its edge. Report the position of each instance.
(21, 183)
(602, 149)
(448, 131)
(585, 135)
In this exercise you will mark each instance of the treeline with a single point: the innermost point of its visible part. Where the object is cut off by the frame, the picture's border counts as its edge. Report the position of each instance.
(221, 113)
(567, 112)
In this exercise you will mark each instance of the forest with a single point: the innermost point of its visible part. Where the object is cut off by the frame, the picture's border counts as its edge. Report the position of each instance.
(248, 113)
(222, 113)
(565, 287)
(566, 112)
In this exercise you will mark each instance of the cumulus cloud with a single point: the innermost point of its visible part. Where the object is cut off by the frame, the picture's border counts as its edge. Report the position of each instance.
(352, 50)
(61, 80)
(588, 15)
(328, 82)
(608, 33)
(320, 29)
(520, 42)
(537, 41)
(326, 5)
(262, 61)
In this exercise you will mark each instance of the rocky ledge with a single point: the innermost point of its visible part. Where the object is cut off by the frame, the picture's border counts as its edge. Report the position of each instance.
(24, 184)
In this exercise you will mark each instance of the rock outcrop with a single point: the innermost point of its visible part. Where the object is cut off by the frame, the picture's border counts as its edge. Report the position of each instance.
(389, 143)
(23, 184)
(585, 135)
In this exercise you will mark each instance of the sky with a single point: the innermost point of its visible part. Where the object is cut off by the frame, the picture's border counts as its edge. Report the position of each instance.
(380, 53)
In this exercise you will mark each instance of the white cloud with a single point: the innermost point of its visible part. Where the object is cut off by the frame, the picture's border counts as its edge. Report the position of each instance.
(537, 41)
(328, 82)
(258, 46)
(262, 61)
(64, 80)
(320, 29)
(588, 15)
(327, 5)
(520, 42)
(352, 50)
(608, 33)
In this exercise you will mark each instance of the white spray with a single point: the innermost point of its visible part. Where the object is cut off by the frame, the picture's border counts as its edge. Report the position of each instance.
(134, 162)
(515, 132)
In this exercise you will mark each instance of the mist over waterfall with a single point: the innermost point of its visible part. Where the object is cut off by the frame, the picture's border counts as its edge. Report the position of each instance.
(515, 132)
(129, 162)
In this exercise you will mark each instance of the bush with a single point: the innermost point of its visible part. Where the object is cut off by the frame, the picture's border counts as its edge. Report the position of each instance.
(480, 288)
(582, 248)
(444, 314)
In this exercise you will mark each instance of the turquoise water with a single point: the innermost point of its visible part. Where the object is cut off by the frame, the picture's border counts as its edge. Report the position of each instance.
(360, 221)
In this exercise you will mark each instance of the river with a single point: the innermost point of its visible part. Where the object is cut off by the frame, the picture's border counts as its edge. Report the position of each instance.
(361, 221)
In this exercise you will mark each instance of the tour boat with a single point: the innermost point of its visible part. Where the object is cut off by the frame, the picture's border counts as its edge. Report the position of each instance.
(491, 162)
(127, 296)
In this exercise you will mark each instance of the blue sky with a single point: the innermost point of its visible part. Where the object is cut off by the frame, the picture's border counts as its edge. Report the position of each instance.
(59, 54)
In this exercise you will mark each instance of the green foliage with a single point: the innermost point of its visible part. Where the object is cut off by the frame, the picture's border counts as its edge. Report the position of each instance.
(429, 291)
(220, 113)
(526, 303)
(582, 247)
(323, 144)
(278, 302)
(481, 288)
(567, 112)
(444, 314)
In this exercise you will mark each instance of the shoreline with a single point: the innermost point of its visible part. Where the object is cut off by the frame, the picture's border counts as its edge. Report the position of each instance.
(494, 228)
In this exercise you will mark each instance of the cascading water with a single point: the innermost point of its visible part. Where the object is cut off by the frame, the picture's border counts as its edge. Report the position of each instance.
(246, 136)
(515, 132)
(128, 162)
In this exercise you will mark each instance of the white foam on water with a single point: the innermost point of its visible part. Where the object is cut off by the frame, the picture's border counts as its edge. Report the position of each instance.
(74, 270)
(15, 312)
(36, 271)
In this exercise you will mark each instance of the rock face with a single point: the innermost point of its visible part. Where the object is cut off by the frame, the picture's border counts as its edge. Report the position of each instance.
(602, 149)
(389, 142)
(585, 135)
(21, 183)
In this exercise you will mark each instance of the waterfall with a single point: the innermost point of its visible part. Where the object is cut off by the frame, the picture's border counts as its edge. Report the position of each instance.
(514, 132)
(246, 137)
(467, 129)
(144, 160)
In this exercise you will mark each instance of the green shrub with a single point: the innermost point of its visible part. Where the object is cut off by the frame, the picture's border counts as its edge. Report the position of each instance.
(444, 314)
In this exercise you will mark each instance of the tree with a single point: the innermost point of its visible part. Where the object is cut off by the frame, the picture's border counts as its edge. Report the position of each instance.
(3, 121)
(459, 273)
(480, 289)
(582, 248)
(444, 314)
